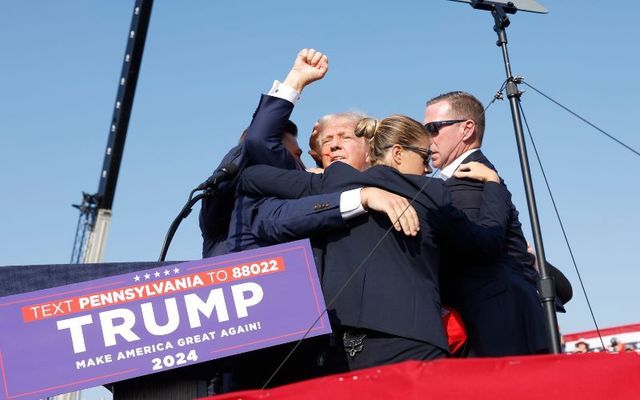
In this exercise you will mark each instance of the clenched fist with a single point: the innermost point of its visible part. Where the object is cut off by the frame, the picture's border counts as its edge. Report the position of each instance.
(310, 65)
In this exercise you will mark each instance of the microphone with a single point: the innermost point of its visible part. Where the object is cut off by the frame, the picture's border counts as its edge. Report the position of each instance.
(221, 175)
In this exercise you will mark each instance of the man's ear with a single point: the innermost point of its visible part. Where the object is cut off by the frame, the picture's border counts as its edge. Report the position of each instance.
(469, 130)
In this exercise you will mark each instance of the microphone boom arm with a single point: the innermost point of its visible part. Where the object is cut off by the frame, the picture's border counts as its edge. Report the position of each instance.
(184, 213)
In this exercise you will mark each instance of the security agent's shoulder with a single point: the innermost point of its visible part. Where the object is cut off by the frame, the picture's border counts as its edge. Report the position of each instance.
(427, 191)
(455, 184)
(479, 157)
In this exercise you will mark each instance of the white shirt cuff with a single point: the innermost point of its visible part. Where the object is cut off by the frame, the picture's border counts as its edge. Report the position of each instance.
(284, 92)
(350, 204)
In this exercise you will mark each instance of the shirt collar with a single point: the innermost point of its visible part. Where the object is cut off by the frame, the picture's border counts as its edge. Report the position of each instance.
(448, 171)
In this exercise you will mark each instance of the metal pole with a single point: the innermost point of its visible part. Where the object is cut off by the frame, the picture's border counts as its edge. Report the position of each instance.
(546, 285)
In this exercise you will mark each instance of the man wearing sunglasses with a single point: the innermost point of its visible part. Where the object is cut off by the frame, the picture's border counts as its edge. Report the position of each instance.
(498, 299)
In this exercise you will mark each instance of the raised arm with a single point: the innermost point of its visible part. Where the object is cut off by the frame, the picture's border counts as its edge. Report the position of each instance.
(263, 140)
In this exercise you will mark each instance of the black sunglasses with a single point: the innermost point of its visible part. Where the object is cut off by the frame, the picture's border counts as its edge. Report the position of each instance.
(424, 153)
(434, 127)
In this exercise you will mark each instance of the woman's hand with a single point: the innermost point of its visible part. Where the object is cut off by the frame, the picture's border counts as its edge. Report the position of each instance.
(477, 171)
(400, 212)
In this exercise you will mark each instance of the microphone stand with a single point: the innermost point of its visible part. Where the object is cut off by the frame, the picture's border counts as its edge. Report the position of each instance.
(546, 285)
(184, 213)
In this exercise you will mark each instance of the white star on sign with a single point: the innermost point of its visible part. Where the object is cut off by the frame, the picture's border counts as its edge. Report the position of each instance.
(136, 278)
(156, 274)
(166, 272)
(176, 270)
(147, 276)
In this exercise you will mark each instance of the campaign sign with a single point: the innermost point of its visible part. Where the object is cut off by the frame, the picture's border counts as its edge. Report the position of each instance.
(105, 330)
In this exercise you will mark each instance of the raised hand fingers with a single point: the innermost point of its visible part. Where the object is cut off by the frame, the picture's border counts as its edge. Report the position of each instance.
(310, 54)
(323, 64)
(314, 58)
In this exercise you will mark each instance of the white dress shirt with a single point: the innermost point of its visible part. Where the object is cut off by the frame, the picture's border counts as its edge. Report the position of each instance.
(448, 171)
(286, 92)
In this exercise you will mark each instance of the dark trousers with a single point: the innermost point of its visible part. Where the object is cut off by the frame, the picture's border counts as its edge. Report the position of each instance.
(375, 348)
(321, 356)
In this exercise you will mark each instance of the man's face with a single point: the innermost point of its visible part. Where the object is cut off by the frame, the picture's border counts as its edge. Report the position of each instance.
(339, 143)
(446, 144)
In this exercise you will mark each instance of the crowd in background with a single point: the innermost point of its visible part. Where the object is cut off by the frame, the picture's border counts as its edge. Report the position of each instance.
(614, 346)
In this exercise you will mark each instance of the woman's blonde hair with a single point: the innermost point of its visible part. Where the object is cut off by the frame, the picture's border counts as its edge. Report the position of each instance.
(382, 134)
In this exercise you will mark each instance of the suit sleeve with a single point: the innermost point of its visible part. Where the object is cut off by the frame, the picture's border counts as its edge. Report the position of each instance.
(278, 220)
(486, 236)
(466, 195)
(268, 181)
(263, 141)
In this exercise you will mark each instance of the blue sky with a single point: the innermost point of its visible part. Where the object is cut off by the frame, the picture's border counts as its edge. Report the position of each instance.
(206, 63)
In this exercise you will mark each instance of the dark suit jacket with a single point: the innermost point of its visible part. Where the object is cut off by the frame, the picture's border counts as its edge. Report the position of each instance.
(396, 290)
(223, 215)
(497, 299)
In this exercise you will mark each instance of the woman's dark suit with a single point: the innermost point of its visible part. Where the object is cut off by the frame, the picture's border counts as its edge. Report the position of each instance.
(396, 290)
